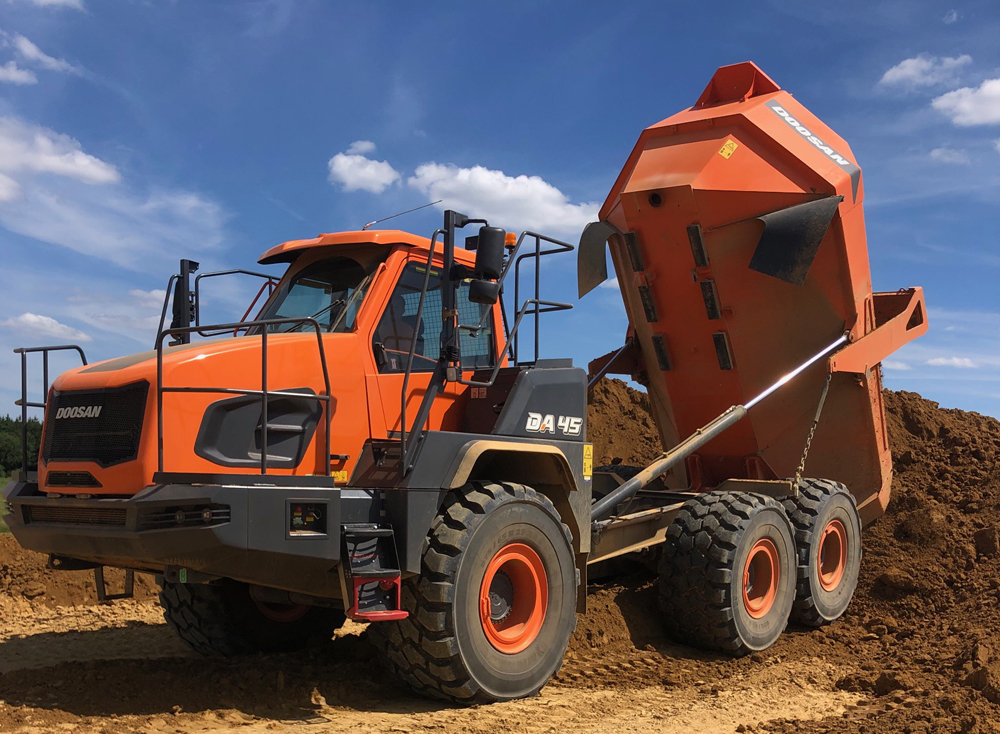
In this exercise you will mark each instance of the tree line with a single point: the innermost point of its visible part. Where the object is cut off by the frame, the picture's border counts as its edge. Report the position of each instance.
(10, 443)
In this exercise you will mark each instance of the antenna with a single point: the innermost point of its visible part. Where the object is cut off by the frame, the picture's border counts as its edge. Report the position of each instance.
(422, 206)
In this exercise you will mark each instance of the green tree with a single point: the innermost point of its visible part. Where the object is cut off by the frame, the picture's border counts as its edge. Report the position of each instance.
(10, 443)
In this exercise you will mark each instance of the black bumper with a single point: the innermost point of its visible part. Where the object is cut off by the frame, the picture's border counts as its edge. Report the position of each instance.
(238, 532)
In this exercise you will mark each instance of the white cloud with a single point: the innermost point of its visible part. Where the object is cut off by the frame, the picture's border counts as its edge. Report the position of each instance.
(925, 71)
(144, 232)
(30, 148)
(38, 325)
(950, 17)
(355, 172)
(361, 147)
(996, 144)
(31, 52)
(968, 106)
(11, 72)
(891, 364)
(148, 299)
(49, 191)
(75, 4)
(518, 202)
(961, 362)
(9, 188)
(950, 155)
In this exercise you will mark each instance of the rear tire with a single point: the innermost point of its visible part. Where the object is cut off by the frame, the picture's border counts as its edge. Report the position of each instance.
(828, 543)
(727, 572)
(493, 608)
(223, 619)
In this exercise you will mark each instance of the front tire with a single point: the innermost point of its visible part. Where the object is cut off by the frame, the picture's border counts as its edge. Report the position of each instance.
(493, 608)
(727, 572)
(224, 619)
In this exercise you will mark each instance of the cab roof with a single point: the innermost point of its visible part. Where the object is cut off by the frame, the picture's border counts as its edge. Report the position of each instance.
(289, 251)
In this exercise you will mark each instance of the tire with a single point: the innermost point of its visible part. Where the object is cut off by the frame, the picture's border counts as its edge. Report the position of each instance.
(223, 619)
(828, 541)
(727, 572)
(451, 647)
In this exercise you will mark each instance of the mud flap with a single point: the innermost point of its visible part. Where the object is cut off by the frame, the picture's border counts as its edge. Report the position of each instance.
(591, 262)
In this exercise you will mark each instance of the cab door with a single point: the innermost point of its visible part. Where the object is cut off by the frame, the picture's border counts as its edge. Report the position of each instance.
(398, 330)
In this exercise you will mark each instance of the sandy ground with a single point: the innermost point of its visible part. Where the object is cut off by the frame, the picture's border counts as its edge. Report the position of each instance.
(118, 668)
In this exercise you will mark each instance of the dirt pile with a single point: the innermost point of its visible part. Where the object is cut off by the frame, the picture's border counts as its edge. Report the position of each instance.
(620, 425)
(24, 577)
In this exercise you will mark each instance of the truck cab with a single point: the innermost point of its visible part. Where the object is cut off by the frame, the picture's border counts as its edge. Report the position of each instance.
(361, 288)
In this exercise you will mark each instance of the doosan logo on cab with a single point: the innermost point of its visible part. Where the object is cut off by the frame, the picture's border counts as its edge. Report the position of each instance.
(83, 411)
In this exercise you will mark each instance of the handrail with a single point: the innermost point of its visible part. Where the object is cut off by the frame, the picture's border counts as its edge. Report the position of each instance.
(552, 306)
(271, 282)
(450, 354)
(24, 402)
(537, 255)
(413, 345)
(264, 393)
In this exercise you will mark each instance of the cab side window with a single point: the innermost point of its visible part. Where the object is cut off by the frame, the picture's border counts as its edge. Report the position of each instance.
(398, 329)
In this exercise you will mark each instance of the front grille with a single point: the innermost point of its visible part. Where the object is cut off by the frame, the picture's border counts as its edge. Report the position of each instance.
(183, 517)
(105, 430)
(71, 479)
(106, 516)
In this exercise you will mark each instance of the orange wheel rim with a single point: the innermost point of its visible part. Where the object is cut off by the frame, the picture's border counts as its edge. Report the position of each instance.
(513, 598)
(760, 578)
(832, 559)
(282, 612)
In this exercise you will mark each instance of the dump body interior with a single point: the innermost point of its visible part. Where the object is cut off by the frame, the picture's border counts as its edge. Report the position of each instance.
(741, 251)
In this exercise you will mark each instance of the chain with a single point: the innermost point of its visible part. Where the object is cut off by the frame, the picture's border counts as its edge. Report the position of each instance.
(812, 431)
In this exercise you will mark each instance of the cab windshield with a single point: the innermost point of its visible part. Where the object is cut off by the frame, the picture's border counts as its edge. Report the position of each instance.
(329, 291)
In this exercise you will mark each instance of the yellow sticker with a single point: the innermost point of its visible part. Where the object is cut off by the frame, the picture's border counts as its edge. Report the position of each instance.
(588, 460)
(728, 148)
(340, 477)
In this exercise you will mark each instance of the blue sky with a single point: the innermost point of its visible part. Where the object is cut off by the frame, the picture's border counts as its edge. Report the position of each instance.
(136, 133)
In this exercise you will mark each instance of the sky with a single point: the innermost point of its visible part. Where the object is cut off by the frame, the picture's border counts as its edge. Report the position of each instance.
(134, 133)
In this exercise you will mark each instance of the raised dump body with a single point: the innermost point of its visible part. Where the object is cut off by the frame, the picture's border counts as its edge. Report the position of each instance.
(737, 232)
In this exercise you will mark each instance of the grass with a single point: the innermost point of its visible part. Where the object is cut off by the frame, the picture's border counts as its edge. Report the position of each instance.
(3, 526)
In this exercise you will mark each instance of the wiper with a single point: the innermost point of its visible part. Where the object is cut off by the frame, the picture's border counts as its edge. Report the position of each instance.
(339, 303)
(358, 292)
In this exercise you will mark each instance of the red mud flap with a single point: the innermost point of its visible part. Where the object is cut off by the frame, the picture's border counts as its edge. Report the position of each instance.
(371, 576)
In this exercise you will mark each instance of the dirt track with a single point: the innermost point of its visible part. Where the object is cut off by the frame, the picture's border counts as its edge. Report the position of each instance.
(915, 653)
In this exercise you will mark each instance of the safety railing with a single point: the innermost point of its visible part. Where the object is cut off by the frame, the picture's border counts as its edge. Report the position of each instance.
(534, 307)
(270, 282)
(537, 256)
(264, 393)
(540, 307)
(24, 403)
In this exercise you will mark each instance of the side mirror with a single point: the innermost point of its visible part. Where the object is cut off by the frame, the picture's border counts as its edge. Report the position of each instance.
(484, 291)
(489, 253)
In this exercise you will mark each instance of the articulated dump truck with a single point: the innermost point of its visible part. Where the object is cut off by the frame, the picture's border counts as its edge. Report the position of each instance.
(374, 441)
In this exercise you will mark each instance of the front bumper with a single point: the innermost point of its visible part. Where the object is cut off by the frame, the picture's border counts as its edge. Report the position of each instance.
(200, 528)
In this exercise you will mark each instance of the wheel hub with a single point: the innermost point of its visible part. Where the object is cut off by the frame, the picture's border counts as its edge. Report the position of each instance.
(832, 555)
(513, 598)
(501, 597)
(760, 578)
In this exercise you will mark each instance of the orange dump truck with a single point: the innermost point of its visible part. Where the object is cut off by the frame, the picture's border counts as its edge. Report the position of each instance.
(374, 444)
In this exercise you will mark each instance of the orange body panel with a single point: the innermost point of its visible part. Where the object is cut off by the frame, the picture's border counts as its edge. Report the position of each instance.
(364, 404)
(746, 150)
